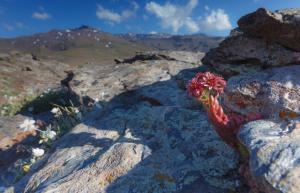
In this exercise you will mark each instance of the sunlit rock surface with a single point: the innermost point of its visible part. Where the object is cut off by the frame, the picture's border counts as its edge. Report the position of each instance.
(146, 135)
(274, 148)
(274, 93)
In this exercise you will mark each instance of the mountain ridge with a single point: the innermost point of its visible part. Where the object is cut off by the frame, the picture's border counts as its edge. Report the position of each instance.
(86, 44)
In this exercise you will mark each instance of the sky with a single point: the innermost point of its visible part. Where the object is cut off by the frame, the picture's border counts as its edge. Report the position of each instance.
(212, 17)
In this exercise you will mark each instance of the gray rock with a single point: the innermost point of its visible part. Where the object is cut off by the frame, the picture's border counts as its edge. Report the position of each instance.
(146, 138)
(281, 26)
(142, 149)
(274, 154)
(240, 54)
(274, 93)
(13, 144)
(106, 81)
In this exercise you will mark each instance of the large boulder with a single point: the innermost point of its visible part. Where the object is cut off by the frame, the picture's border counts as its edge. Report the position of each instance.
(281, 26)
(274, 148)
(240, 54)
(106, 80)
(141, 149)
(273, 143)
(145, 135)
(274, 93)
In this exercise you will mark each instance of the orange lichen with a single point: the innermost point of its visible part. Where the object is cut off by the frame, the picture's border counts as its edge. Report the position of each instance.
(164, 177)
(288, 114)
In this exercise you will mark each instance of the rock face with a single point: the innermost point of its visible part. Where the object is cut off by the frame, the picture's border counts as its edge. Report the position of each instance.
(107, 80)
(12, 139)
(275, 153)
(23, 75)
(147, 136)
(231, 58)
(263, 40)
(274, 93)
(261, 60)
(281, 26)
(273, 143)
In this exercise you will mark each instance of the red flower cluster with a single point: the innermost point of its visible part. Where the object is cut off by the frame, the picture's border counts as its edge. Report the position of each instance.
(206, 80)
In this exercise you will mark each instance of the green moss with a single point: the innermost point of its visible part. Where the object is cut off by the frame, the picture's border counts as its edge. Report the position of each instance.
(37, 103)
(13, 108)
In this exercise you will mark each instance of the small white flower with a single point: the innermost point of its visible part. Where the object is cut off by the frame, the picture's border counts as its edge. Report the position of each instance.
(76, 110)
(55, 110)
(51, 135)
(37, 152)
(28, 125)
(102, 95)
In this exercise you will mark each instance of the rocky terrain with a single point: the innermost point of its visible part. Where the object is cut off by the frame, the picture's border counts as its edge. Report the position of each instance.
(194, 43)
(144, 129)
(76, 47)
(262, 61)
(85, 44)
(141, 132)
(25, 75)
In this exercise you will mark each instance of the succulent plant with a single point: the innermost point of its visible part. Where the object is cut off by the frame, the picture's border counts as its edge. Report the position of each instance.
(206, 88)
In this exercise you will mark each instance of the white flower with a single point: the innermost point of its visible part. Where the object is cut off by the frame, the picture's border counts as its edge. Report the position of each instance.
(55, 110)
(51, 135)
(28, 125)
(37, 152)
(76, 110)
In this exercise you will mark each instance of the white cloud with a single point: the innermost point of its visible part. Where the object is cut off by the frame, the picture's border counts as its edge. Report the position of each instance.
(216, 20)
(180, 17)
(113, 17)
(108, 15)
(41, 15)
(14, 26)
(126, 14)
(8, 27)
(20, 24)
(173, 16)
(135, 5)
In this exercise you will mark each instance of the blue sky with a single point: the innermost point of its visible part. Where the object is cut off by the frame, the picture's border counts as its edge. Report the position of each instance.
(213, 17)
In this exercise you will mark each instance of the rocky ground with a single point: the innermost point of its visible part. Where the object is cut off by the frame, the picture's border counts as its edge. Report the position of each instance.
(143, 133)
(263, 55)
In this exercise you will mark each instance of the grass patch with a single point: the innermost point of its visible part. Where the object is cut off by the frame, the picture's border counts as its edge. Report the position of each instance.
(36, 104)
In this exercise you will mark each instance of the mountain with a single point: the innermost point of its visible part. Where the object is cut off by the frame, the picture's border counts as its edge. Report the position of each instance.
(86, 44)
(73, 46)
(162, 41)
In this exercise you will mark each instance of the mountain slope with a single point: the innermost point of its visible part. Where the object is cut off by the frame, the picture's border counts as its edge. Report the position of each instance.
(196, 42)
(73, 46)
(85, 44)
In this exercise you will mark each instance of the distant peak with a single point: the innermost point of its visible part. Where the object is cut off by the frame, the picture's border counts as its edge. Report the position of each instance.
(85, 27)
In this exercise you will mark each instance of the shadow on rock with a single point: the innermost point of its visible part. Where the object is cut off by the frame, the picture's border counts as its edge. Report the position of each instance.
(150, 139)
